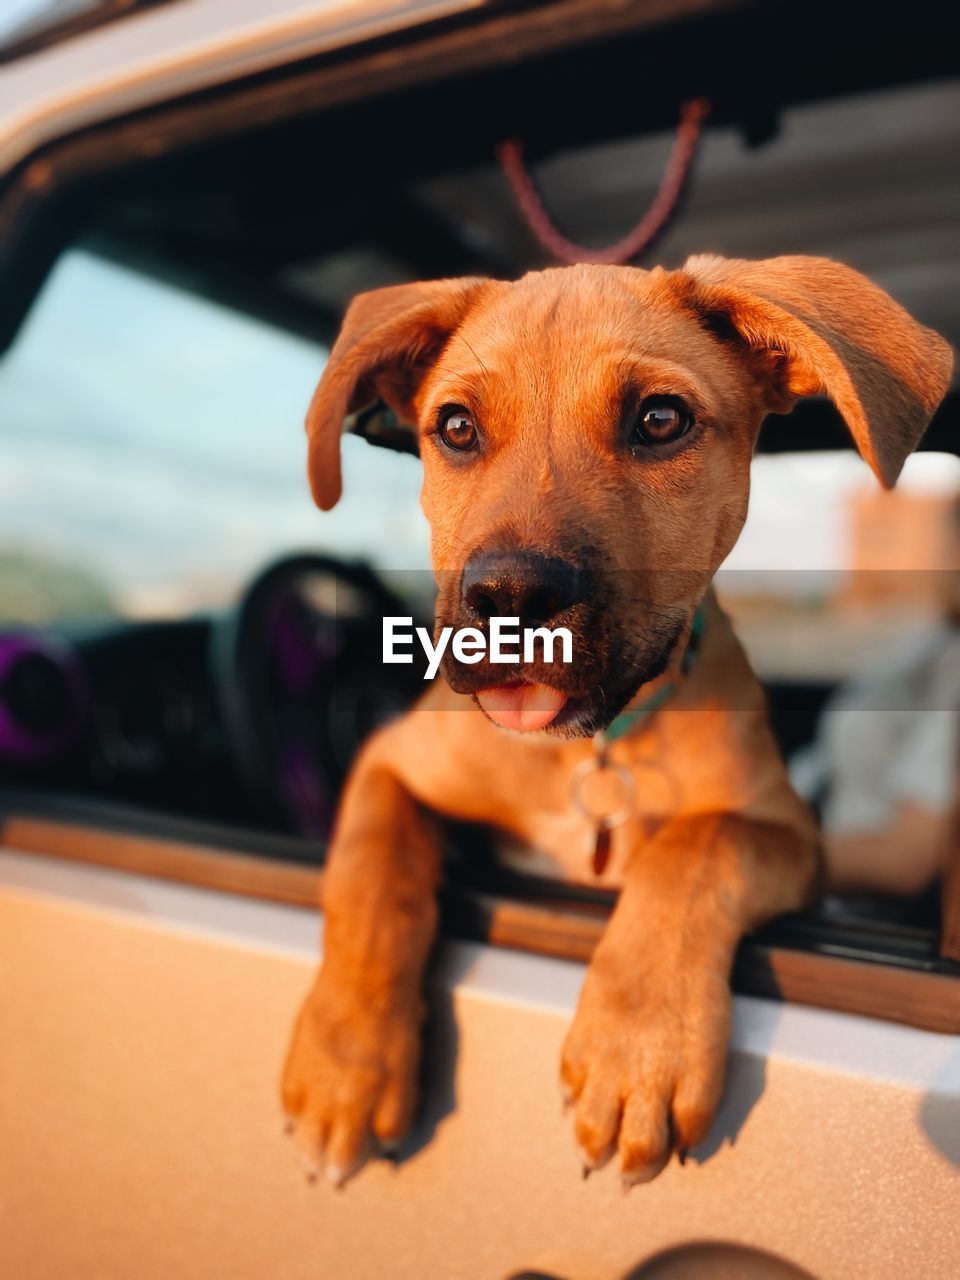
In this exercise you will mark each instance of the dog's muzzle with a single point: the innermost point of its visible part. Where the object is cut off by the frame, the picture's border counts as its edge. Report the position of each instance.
(534, 590)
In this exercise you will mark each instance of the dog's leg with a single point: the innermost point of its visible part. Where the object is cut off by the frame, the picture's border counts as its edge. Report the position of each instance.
(350, 1075)
(644, 1059)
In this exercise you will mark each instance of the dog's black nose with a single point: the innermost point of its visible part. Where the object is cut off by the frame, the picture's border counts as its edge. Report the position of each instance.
(519, 584)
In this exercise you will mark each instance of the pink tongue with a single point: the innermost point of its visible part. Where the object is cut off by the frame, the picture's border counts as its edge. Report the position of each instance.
(525, 707)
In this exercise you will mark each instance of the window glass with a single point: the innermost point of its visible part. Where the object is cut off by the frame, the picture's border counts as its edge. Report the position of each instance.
(833, 577)
(152, 455)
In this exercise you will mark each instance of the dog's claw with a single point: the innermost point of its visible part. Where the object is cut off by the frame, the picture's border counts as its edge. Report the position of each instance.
(682, 1157)
(586, 1172)
(311, 1160)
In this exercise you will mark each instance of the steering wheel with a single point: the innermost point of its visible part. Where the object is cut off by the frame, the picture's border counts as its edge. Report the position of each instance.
(300, 678)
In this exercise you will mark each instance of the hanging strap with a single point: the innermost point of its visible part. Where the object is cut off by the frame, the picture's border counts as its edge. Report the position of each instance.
(650, 227)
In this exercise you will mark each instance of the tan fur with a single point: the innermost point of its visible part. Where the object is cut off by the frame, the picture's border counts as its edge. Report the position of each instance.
(720, 842)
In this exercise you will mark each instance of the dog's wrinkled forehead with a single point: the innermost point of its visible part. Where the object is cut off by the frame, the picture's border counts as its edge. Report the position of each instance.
(576, 313)
(572, 340)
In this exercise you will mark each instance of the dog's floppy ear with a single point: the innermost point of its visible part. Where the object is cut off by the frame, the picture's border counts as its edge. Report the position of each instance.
(388, 339)
(816, 326)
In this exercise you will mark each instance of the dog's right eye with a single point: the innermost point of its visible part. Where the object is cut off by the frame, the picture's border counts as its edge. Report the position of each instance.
(458, 431)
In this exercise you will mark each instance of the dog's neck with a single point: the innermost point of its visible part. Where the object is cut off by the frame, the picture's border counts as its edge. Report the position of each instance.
(650, 697)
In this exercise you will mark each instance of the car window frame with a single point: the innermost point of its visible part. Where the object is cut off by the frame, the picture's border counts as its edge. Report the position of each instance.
(516, 914)
(40, 33)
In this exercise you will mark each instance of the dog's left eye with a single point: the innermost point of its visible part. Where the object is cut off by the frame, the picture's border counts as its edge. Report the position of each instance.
(661, 420)
(458, 431)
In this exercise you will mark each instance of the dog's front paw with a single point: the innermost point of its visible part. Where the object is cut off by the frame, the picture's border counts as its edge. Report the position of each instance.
(349, 1083)
(643, 1065)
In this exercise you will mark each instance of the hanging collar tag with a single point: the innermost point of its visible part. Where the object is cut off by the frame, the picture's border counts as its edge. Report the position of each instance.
(609, 811)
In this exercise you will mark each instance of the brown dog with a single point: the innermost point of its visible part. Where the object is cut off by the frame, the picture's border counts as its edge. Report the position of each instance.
(586, 436)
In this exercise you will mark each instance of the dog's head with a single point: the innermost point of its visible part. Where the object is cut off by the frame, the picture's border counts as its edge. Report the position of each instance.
(586, 436)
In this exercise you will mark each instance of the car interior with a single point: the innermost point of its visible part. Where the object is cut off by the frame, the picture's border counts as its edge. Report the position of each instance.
(228, 727)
